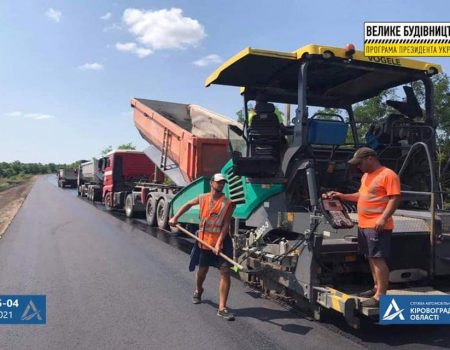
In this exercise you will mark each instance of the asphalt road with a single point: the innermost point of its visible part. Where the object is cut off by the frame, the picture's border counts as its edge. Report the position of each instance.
(111, 283)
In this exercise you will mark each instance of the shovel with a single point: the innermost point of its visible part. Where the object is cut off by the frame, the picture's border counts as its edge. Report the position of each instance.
(236, 267)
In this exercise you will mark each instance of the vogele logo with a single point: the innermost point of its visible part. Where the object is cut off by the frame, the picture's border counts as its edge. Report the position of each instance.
(393, 311)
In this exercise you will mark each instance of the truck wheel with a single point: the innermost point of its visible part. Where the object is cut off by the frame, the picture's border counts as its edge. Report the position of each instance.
(150, 211)
(97, 195)
(107, 201)
(162, 213)
(92, 195)
(129, 209)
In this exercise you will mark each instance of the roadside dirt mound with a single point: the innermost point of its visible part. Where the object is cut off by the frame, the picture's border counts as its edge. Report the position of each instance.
(10, 202)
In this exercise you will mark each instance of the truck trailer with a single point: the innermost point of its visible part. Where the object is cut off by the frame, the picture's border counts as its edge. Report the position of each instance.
(187, 143)
(90, 179)
(67, 178)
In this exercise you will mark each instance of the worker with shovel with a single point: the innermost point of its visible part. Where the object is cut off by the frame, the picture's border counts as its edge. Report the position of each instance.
(214, 240)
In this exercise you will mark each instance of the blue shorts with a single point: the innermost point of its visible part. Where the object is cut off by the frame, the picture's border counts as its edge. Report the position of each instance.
(374, 244)
(208, 258)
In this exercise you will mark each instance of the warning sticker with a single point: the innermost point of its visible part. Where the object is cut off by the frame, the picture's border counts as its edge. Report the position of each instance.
(407, 39)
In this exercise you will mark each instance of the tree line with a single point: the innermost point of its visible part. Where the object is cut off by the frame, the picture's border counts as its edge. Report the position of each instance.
(16, 168)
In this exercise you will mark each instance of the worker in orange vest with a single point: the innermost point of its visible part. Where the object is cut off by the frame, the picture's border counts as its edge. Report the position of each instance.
(215, 217)
(378, 198)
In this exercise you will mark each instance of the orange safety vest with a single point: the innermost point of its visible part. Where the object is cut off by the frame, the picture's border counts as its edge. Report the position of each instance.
(211, 218)
(374, 196)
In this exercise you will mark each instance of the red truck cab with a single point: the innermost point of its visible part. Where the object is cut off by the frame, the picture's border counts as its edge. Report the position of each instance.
(123, 170)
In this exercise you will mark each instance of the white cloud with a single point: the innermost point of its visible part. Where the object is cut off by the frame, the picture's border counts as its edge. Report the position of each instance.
(141, 52)
(112, 27)
(14, 114)
(207, 60)
(163, 29)
(39, 116)
(53, 14)
(43, 116)
(106, 16)
(34, 116)
(91, 66)
(125, 47)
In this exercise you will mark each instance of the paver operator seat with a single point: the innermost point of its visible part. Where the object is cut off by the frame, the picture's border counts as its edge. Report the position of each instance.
(264, 134)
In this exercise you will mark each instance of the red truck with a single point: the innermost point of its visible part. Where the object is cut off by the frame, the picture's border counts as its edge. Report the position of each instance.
(185, 142)
(113, 178)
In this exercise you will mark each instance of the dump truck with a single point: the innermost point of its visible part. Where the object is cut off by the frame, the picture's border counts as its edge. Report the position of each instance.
(112, 178)
(187, 143)
(296, 245)
(67, 177)
(90, 179)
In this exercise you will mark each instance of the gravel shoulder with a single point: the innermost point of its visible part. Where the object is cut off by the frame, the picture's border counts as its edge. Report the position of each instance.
(11, 200)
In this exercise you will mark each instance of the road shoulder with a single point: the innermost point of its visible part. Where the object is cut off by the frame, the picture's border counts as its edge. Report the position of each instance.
(11, 200)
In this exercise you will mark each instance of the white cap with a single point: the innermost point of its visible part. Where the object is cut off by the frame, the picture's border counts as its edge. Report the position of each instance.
(218, 177)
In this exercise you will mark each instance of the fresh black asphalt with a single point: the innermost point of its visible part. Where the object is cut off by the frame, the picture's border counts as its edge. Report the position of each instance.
(112, 285)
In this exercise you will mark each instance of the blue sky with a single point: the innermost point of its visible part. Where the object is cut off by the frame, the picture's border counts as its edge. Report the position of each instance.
(69, 68)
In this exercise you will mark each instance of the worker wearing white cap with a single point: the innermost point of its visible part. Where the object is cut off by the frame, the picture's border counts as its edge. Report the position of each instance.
(215, 216)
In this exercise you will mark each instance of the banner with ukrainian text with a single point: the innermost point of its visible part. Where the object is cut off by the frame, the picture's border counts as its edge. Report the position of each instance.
(408, 39)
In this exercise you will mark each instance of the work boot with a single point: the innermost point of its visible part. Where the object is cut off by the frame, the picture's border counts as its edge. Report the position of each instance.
(371, 303)
(225, 314)
(197, 297)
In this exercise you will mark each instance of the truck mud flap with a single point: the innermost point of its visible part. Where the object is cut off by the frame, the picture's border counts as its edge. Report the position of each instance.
(343, 303)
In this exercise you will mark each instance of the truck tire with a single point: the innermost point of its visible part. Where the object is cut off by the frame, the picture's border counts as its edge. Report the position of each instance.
(97, 195)
(150, 211)
(129, 207)
(92, 195)
(107, 201)
(162, 213)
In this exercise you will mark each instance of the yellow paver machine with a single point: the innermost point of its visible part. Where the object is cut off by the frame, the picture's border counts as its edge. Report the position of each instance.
(297, 246)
